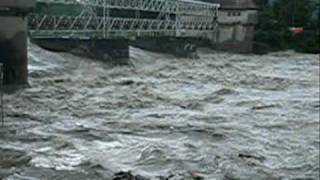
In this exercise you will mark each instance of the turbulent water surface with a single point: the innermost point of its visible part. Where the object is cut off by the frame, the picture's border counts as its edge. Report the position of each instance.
(222, 116)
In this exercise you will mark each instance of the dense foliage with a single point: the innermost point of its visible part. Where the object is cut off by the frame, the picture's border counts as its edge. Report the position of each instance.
(277, 17)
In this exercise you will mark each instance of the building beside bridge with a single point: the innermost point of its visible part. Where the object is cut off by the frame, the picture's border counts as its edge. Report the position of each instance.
(105, 28)
(237, 20)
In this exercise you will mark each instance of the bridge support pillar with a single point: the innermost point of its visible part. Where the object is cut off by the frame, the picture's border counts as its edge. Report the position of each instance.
(111, 50)
(13, 40)
(181, 47)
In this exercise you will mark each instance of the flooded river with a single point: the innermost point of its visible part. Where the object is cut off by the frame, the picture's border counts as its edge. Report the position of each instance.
(220, 117)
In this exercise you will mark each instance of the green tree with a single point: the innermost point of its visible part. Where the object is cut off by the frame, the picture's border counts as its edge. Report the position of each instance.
(276, 18)
(295, 13)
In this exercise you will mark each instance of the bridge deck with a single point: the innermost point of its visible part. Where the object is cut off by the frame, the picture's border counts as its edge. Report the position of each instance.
(122, 18)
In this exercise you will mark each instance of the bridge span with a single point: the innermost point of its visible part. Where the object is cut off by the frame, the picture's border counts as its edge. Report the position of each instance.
(105, 19)
(102, 27)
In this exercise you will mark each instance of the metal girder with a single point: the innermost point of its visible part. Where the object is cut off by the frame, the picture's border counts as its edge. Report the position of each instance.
(189, 16)
(169, 6)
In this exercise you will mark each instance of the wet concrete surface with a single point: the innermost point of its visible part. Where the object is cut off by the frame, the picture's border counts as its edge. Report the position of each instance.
(222, 116)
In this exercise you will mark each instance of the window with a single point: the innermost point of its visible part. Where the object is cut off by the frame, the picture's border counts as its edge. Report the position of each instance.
(234, 13)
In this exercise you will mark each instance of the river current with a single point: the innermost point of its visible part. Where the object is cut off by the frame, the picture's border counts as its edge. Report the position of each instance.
(220, 117)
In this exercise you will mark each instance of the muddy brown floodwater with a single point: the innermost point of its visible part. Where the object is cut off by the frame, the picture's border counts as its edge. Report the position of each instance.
(220, 117)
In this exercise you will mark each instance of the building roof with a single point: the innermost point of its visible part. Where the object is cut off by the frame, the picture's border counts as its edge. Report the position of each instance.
(234, 4)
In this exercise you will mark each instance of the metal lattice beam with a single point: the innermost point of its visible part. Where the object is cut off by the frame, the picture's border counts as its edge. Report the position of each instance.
(189, 17)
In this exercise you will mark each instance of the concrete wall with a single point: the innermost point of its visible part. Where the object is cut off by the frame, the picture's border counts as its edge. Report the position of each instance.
(13, 49)
(236, 30)
(238, 16)
(235, 33)
(235, 38)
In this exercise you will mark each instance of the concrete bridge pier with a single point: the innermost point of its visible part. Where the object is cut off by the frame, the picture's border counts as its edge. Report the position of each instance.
(181, 47)
(13, 40)
(110, 50)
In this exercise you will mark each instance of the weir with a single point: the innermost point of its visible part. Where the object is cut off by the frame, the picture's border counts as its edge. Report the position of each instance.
(13, 39)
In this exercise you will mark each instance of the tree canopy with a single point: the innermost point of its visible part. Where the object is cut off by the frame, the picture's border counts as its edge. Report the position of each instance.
(277, 17)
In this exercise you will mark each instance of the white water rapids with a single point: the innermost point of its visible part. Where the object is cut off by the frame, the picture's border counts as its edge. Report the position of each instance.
(220, 117)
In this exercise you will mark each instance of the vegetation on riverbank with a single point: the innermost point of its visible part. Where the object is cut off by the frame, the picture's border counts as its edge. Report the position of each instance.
(277, 19)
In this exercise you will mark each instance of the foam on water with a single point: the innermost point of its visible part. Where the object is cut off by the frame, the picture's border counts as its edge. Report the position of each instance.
(223, 116)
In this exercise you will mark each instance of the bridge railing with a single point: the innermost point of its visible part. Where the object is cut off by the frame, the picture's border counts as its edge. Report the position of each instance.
(169, 6)
(174, 18)
(97, 27)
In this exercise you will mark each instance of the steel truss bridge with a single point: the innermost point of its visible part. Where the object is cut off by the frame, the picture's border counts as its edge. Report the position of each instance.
(104, 19)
